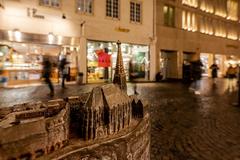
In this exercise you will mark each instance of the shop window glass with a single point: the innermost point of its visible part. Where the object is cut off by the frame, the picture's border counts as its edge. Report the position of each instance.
(22, 62)
(135, 12)
(169, 16)
(101, 57)
(112, 8)
(85, 6)
(50, 3)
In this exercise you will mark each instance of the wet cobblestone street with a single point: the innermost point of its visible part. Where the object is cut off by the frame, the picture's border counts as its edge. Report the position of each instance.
(185, 126)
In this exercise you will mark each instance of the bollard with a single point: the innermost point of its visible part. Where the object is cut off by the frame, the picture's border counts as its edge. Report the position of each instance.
(238, 82)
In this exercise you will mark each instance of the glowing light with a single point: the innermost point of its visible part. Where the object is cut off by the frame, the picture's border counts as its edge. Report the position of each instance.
(50, 38)
(10, 35)
(18, 35)
(60, 38)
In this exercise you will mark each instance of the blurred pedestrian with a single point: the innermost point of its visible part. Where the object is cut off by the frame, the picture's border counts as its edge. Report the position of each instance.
(214, 67)
(196, 72)
(231, 75)
(47, 68)
(186, 70)
(64, 70)
(132, 77)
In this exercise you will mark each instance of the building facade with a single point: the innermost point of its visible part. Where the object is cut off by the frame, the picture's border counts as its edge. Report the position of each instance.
(196, 29)
(85, 31)
(156, 35)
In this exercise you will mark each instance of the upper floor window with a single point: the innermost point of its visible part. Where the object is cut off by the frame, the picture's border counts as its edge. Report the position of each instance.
(112, 8)
(232, 10)
(169, 16)
(207, 6)
(232, 32)
(50, 3)
(221, 8)
(189, 21)
(220, 29)
(85, 6)
(135, 12)
(192, 3)
(206, 25)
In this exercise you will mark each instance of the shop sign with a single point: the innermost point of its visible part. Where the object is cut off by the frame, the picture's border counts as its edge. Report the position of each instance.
(120, 29)
(232, 46)
(104, 59)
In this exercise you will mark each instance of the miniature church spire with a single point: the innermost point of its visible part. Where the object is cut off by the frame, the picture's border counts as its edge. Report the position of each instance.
(119, 76)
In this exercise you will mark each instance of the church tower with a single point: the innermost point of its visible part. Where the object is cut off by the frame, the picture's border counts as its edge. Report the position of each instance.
(120, 76)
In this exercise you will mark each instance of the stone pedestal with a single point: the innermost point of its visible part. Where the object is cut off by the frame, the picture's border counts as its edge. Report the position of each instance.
(134, 145)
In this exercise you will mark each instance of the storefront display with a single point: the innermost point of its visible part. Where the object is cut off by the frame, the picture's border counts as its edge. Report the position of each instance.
(21, 63)
(101, 58)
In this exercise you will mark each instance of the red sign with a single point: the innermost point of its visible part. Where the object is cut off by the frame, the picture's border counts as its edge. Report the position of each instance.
(104, 59)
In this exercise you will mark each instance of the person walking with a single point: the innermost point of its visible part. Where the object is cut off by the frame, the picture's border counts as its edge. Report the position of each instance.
(196, 73)
(231, 75)
(47, 68)
(214, 67)
(132, 77)
(64, 70)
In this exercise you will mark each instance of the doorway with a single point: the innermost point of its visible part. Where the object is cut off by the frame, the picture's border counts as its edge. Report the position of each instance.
(168, 64)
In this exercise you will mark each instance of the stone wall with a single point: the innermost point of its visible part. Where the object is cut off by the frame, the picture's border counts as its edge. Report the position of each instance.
(133, 146)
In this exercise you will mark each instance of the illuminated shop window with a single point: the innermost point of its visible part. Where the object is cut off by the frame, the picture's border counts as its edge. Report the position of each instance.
(169, 16)
(206, 25)
(232, 10)
(85, 6)
(232, 32)
(189, 21)
(220, 29)
(101, 61)
(112, 8)
(192, 3)
(221, 8)
(135, 12)
(207, 6)
(50, 3)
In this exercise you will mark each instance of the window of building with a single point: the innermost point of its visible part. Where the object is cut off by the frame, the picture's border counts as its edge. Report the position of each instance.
(232, 10)
(192, 3)
(189, 21)
(169, 16)
(112, 8)
(232, 32)
(50, 3)
(220, 29)
(85, 6)
(221, 8)
(206, 25)
(207, 6)
(102, 56)
(135, 12)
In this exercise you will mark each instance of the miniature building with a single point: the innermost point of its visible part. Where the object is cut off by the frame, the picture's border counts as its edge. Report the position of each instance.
(29, 134)
(33, 130)
(107, 111)
(119, 76)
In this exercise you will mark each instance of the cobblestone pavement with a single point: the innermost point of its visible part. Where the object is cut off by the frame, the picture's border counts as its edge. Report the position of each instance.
(185, 126)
